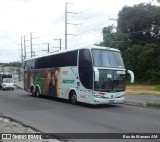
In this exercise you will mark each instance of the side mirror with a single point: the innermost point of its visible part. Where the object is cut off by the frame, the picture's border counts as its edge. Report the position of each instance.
(132, 75)
(96, 74)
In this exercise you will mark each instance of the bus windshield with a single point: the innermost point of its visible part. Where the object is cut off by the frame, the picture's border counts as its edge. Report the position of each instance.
(110, 81)
(107, 58)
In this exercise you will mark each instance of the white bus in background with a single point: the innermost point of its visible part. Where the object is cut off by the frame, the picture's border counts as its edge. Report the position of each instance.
(94, 75)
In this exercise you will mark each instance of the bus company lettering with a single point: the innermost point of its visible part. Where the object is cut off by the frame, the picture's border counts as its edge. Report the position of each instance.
(68, 81)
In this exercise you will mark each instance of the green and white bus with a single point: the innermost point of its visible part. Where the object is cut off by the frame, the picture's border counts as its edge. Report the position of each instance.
(94, 75)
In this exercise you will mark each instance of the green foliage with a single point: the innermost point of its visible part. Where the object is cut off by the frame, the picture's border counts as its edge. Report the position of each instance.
(11, 64)
(157, 105)
(113, 39)
(138, 37)
(108, 36)
(157, 88)
(140, 24)
(143, 61)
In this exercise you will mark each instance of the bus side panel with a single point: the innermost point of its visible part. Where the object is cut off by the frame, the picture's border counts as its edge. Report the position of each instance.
(46, 79)
(55, 82)
(69, 79)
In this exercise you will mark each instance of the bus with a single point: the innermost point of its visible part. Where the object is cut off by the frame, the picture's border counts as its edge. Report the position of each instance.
(93, 75)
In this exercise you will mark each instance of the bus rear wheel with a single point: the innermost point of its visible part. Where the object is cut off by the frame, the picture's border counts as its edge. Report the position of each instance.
(33, 92)
(73, 98)
(37, 93)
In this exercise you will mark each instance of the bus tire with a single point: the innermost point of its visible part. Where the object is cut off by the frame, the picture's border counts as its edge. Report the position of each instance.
(73, 97)
(33, 91)
(37, 93)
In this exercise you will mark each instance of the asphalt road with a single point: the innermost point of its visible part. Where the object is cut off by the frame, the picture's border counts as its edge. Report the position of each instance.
(59, 116)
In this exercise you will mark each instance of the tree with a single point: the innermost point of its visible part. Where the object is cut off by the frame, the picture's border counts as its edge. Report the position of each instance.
(144, 61)
(112, 38)
(11, 64)
(140, 24)
(108, 36)
(138, 37)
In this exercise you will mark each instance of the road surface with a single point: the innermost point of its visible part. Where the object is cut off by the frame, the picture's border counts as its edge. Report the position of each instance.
(59, 116)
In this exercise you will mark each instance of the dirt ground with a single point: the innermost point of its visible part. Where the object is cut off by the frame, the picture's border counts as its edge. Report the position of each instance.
(141, 89)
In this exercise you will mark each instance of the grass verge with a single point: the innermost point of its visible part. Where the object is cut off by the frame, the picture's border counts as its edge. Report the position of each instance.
(157, 88)
(157, 105)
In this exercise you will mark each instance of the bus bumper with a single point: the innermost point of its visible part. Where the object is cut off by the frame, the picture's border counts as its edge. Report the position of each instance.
(108, 101)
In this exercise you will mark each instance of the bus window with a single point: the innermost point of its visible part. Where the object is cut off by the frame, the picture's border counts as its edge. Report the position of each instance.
(85, 68)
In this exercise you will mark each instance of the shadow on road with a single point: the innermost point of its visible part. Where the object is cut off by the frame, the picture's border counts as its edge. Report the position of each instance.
(79, 103)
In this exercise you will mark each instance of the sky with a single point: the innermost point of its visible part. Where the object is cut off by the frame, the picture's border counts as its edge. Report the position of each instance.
(45, 20)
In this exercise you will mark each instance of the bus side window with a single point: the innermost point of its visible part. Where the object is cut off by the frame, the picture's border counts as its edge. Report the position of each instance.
(85, 68)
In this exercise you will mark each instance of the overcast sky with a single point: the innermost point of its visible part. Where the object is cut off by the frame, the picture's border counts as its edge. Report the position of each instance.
(45, 18)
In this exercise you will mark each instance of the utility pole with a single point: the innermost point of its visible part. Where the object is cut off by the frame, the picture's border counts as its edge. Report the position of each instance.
(21, 49)
(24, 47)
(31, 43)
(66, 22)
(66, 25)
(33, 54)
(20, 74)
(60, 43)
(25, 50)
(48, 49)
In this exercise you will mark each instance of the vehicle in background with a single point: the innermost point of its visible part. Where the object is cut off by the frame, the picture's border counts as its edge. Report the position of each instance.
(9, 77)
(94, 75)
(7, 84)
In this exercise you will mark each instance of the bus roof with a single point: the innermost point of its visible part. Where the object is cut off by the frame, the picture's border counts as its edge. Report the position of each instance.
(64, 51)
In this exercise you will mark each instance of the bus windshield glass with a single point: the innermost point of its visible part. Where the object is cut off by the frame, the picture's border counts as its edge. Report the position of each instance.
(107, 58)
(110, 81)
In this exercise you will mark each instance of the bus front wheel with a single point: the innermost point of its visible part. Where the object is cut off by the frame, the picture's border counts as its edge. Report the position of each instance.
(73, 97)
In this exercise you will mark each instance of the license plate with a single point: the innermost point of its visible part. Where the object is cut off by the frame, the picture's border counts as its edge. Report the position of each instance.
(111, 101)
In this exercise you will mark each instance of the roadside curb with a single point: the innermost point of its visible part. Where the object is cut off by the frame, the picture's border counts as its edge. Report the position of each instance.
(139, 104)
(19, 87)
(135, 103)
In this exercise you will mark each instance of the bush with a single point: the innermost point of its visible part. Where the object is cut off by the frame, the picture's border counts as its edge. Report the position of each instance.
(144, 61)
